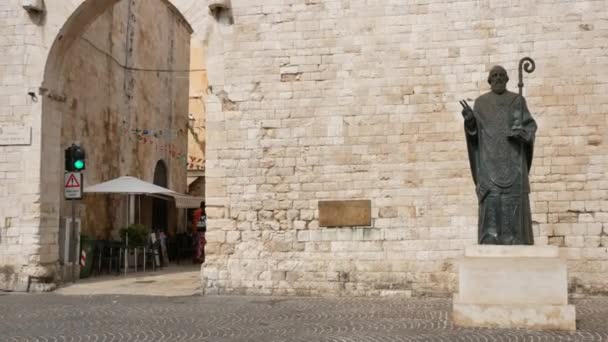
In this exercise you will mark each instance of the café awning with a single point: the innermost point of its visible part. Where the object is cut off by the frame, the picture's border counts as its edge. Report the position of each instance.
(134, 186)
(186, 201)
(127, 185)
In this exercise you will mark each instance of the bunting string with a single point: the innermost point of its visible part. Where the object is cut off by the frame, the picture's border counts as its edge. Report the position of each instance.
(161, 139)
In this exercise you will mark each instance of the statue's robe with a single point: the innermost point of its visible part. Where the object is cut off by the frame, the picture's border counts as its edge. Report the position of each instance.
(499, 171)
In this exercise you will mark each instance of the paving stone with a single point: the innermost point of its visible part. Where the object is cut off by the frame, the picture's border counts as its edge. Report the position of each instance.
(52, 317)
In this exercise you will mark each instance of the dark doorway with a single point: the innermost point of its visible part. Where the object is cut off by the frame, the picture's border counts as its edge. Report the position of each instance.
(159, 207)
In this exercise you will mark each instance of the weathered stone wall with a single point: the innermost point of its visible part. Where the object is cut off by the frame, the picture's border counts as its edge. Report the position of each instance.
(354, 99)
(96, 92)
(359, 100)
(198, 95)
(125, 85)
(199, 91)
(19, 165)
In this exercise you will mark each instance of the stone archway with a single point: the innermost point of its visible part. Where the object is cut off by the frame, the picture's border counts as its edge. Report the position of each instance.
(159, 206)
(66, 21)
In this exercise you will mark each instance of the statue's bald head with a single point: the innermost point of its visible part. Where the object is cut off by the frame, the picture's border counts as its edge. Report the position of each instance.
(498, 78)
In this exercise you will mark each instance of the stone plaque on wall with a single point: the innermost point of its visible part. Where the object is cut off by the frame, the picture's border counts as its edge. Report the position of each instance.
(15, 135)
(345, 213)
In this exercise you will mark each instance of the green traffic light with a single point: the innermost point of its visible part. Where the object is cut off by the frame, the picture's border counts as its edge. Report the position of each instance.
(79, 164)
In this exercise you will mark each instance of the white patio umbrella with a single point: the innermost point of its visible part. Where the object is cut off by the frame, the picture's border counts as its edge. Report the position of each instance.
(134, 186)
(128, 185)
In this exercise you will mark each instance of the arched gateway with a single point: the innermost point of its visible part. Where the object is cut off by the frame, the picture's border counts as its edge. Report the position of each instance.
(65, 22)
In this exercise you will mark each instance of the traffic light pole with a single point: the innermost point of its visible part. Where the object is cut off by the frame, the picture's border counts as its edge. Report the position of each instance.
(73, 232)
(74, 164)
(76, 239)
(76, 261)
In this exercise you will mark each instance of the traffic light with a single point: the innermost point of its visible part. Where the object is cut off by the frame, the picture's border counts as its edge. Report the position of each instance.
(74, 159)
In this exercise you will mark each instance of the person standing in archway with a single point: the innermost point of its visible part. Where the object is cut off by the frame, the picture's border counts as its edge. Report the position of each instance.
(199, 226)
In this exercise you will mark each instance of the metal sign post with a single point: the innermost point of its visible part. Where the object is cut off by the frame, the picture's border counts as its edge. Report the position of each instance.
(73, 191)
(75, 264)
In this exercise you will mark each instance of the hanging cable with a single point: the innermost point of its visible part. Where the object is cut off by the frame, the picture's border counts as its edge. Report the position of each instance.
(117, 62)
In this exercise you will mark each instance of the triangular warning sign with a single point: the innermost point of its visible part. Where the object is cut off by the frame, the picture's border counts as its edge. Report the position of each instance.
(72, 182)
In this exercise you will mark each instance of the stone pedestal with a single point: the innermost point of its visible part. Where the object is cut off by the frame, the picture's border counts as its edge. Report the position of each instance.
(513, 286)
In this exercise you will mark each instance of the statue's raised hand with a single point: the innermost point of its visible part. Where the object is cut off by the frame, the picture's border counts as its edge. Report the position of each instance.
(467, 111)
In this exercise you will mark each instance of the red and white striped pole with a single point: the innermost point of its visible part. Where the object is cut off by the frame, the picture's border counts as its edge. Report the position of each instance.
(83, 258)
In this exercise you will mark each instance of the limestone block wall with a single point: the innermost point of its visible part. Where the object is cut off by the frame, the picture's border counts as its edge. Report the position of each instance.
(346, 99)
(20, 245)
(359, 100)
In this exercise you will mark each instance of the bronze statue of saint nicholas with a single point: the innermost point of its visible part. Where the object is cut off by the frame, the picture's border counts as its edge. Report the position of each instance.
(500, 134)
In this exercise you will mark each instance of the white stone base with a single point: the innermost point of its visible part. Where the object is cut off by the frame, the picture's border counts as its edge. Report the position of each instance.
(542, 317)
(513, 286)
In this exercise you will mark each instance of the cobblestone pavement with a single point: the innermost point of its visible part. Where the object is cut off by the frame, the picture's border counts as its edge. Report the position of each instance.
(52, 317)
